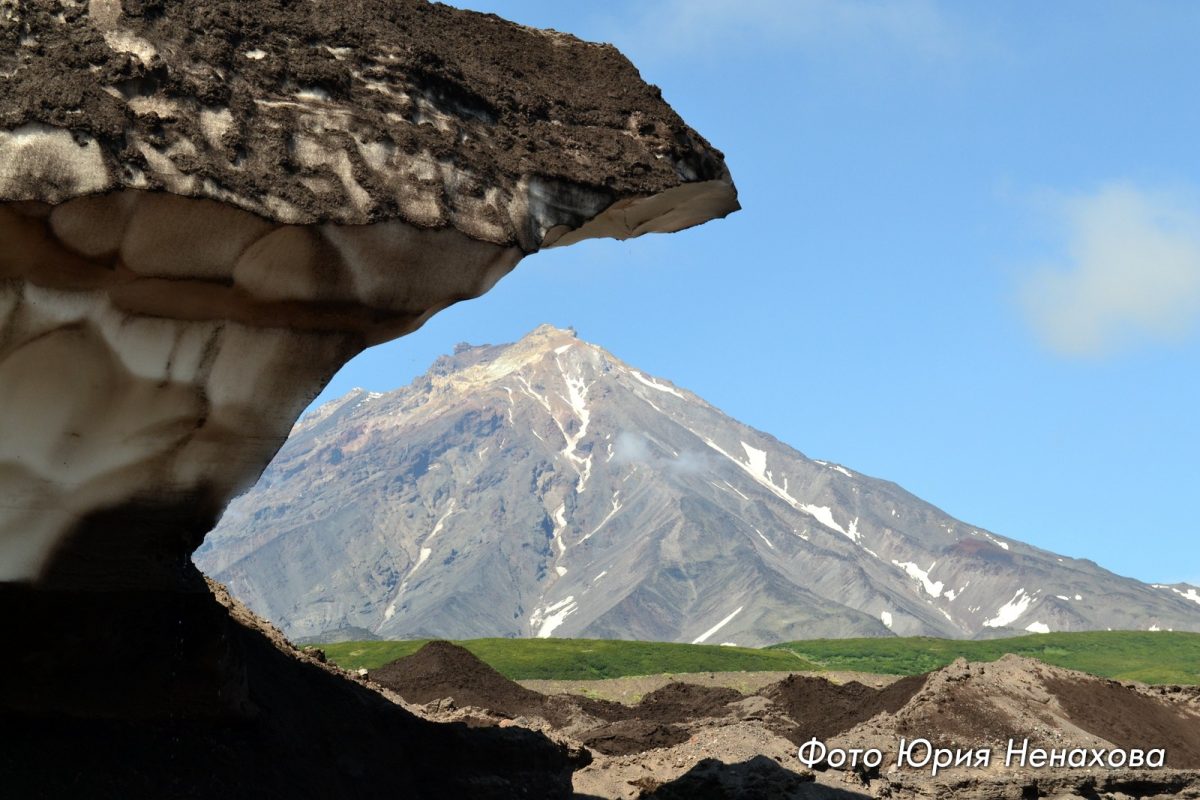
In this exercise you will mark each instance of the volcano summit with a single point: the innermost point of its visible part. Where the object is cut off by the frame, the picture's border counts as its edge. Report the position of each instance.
(546, 488)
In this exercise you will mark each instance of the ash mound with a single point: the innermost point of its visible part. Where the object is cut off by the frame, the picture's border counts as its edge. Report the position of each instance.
(629, 736)
(1129, 717)
(758, 778)
(1015, 698)
(681, 702)
(444, 670)
(824, 709)
(660, 720)
(691, 739)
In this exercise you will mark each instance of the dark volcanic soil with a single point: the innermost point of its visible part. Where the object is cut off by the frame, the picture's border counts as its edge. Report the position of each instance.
(666, 742)
(633, 736)
(656, 720)
(441, 669)
(759, 778)
(1130, 719)
(824, 709)
(683, 702)
(300, 730)
(444, 670)
(522, 102)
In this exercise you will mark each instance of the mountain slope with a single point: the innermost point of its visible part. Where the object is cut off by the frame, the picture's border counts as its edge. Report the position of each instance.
(547, 488)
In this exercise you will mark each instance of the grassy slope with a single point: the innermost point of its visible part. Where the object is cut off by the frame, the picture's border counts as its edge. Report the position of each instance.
(1160, 657)
(581, 659)
(1127, 655)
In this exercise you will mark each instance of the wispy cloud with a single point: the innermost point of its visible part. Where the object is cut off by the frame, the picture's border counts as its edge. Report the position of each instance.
(632, 448)
(1131, 273)
(629, 448)
(677, 27)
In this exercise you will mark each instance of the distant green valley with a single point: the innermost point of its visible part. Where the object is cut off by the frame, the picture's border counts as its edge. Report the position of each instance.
(1160, 657)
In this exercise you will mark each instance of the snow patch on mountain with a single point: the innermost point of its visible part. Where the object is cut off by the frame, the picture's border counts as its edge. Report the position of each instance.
(997, 542)
(616, 506)
(653, 384)
(1011, 611)
(577, 393)
(1190, 593)
(824, 515)
(932, 588)
(754, 469)
(704, 637)
(757, 461)
(546, 620)
(560, 525)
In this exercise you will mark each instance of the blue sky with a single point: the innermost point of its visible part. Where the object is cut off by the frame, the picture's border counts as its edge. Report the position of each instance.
(968, 260)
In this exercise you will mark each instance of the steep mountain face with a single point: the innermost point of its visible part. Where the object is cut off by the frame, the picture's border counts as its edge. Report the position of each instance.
(546, 488)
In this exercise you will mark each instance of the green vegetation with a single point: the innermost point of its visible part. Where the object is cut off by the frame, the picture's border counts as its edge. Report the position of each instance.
(581, 659)
(1125, 655)
(1159, 657)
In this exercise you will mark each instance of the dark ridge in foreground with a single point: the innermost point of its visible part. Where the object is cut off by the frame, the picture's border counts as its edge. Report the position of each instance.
(290, 728)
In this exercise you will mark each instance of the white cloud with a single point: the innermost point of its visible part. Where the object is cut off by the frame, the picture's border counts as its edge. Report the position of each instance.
(631, 448)
(1131, 273)
(699, 26)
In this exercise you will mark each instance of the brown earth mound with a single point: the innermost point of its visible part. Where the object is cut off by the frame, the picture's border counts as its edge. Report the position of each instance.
(975, 705)
(656, 720)
(444, 670)
(758, 778)
(824, 709)
(607, 710)
(630, 736)
(674, 703)
(1129, 718)
(683, 702)
(441, 669)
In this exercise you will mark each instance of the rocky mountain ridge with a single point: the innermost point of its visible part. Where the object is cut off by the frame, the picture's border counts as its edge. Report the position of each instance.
(546, 488)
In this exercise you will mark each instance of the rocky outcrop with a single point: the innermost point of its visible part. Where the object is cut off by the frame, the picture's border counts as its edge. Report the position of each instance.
(205, 209)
